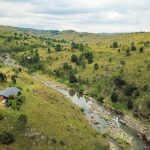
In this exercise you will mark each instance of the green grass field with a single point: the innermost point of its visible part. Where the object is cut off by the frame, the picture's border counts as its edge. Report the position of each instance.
(51, 117)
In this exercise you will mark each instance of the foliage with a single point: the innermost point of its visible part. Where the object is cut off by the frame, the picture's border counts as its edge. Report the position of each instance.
(115, 45)
(96, 66)
(7, 138)
(119, 82)
(3, 78)
(141, 49)
(114, 97)
(129, 89)
(58, 47)
(16, 103)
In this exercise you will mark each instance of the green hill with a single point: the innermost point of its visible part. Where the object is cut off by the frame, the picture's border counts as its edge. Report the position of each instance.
(112, 68)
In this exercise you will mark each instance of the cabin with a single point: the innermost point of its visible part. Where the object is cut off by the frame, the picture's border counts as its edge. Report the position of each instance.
(8, 93)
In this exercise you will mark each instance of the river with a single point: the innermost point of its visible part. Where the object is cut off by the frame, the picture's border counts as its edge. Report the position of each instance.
(99, 117)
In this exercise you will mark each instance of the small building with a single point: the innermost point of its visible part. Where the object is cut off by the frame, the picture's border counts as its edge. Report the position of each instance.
(9, 92)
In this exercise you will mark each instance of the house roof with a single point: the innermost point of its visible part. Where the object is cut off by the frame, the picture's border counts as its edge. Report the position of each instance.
(10, 91)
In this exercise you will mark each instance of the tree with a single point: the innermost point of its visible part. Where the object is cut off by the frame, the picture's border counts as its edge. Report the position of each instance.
(96, 66)
(133, 48)
(58, 47)
(130, 104)
(13, 78)
(74, 58)
(89, 57)
(49, 50)
(128, 52)
(7, 138)
(81, 47)
(100, 99)
(114, 97)
(115, 45)
(72, 78)
(141, 49)
(119, 82)
(129, 89)
(74, 45)
(3, 77)
(66, 66)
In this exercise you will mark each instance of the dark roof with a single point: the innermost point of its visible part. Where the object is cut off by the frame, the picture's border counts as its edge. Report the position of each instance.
(10, 91)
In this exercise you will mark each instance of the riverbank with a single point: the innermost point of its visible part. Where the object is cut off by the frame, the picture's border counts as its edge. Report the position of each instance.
(100, 118)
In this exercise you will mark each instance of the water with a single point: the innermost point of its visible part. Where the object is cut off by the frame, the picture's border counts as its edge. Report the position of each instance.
(95, 112)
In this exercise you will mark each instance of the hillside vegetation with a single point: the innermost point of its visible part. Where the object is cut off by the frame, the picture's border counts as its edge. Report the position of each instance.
(114, 69)
(50, 119)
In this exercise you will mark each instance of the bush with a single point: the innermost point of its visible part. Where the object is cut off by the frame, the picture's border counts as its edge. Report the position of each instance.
(3, 78)
(114, 97)
(58, 47)
(1, 117)
(130, 104)
(145, 88)
(133, 48)
(74, 58)
(7, 138)
(16, 103)
(62, 143)
(148, 105)
(96, 66)
(118, 81)
(72, 78)
(129, 89)
(128, 52)
(141, 49)
(115, 45)
(100, 99)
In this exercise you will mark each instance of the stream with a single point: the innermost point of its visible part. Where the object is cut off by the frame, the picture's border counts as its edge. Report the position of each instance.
(99, 117)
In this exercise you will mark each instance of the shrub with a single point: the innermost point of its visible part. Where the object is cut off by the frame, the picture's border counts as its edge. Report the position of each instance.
(130, 104)
(74, 58)
(128, 52)
(89, 57)
(133, 48)
(13, 78)
(148, 105)
(72, 78)
(16, 103)
(100, 99)
(115, 45)
(129, 89)
(62, 143)
(118, 81)
(141, 49)
(58, 47)
(7, 138)
(66, 66)
(1, 117)
(114, 97)
(96, 66)
(145, 88)
(3, 78)
(53, 141)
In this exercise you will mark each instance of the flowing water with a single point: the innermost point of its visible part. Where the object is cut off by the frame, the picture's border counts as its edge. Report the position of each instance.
(95, 112)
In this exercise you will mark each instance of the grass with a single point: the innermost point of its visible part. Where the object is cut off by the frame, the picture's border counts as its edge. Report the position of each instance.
(50, 115)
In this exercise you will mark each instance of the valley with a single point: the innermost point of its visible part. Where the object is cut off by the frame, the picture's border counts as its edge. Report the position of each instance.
(106, 76)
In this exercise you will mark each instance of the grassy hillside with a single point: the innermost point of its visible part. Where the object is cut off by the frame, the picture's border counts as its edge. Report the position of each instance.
(123, 62)
(52, 121)
(114, 69)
